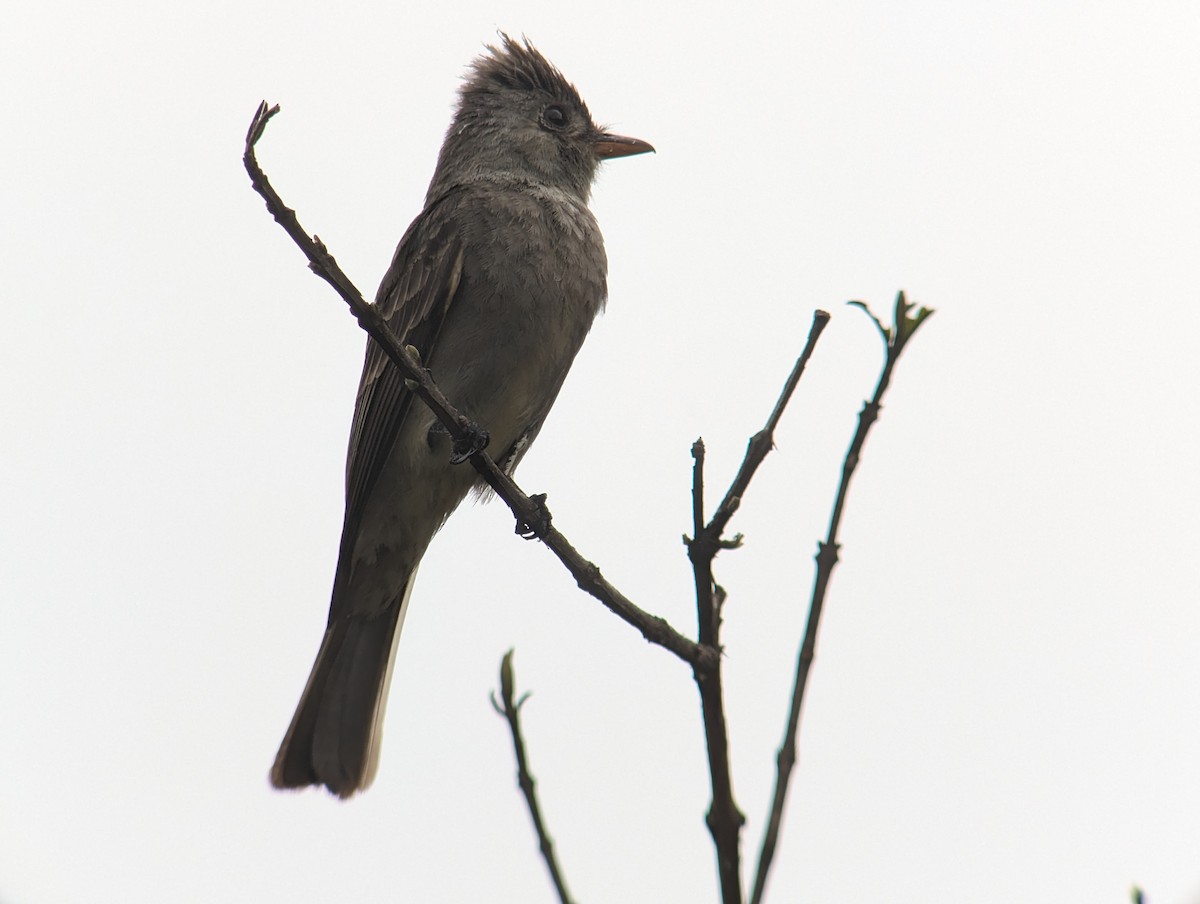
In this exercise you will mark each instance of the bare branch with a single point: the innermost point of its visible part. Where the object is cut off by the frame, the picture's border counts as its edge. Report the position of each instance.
(511, 711)
(724, 819)
(764, 441)
(894, 339)
(701, 557)
(529, 512)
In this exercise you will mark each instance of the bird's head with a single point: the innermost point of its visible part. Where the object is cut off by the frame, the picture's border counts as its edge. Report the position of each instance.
(518, 115)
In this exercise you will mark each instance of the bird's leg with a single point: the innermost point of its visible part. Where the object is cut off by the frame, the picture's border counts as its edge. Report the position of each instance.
(538, 526)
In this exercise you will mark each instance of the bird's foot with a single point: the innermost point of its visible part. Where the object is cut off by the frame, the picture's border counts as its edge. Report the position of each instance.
(538, 526)
(475, 440)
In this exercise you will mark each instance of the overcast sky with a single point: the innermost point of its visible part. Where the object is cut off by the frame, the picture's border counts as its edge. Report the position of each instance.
(1003, 706)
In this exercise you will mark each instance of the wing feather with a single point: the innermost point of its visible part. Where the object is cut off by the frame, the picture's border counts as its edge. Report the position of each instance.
(413, 298)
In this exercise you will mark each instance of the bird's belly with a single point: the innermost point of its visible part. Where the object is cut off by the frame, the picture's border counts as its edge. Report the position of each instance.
(514, 355)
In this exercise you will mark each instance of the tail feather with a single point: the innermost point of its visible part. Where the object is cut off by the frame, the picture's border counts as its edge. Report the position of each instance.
(334, 737)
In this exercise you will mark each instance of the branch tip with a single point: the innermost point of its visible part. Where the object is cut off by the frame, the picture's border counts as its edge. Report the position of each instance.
(525, 780)
(258, 124)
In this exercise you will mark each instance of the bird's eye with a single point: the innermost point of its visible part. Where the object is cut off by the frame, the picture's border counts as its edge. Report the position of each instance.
(554, 117)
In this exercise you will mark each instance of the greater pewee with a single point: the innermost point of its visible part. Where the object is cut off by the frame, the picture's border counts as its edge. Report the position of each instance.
(495, 284)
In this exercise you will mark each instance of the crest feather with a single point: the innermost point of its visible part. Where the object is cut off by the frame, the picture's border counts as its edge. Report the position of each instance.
(518, 65)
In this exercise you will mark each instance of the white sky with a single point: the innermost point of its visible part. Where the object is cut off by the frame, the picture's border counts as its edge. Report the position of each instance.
(1003, 706)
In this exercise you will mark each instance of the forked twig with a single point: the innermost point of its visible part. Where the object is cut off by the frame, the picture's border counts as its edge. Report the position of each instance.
(724, 819)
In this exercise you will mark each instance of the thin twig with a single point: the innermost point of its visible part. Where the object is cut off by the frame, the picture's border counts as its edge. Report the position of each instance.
(702, 558)
(724, 818)
(894, 339)
(511, 711)
(527, 511)
(764, 440)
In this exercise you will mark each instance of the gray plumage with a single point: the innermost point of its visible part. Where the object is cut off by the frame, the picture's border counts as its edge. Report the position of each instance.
(496, 283)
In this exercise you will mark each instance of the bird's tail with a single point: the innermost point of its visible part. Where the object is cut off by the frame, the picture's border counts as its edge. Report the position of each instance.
(335, 734)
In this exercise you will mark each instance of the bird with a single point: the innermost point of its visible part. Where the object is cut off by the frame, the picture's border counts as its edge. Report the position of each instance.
(494, 286)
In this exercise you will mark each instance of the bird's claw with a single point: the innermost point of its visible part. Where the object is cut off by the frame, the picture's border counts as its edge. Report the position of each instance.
(475, 440)
(539, 525)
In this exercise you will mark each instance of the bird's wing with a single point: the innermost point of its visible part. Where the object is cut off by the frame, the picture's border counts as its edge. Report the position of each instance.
(413, 298)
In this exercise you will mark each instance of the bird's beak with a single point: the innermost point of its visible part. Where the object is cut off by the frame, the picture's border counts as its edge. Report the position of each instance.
(608, 145)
